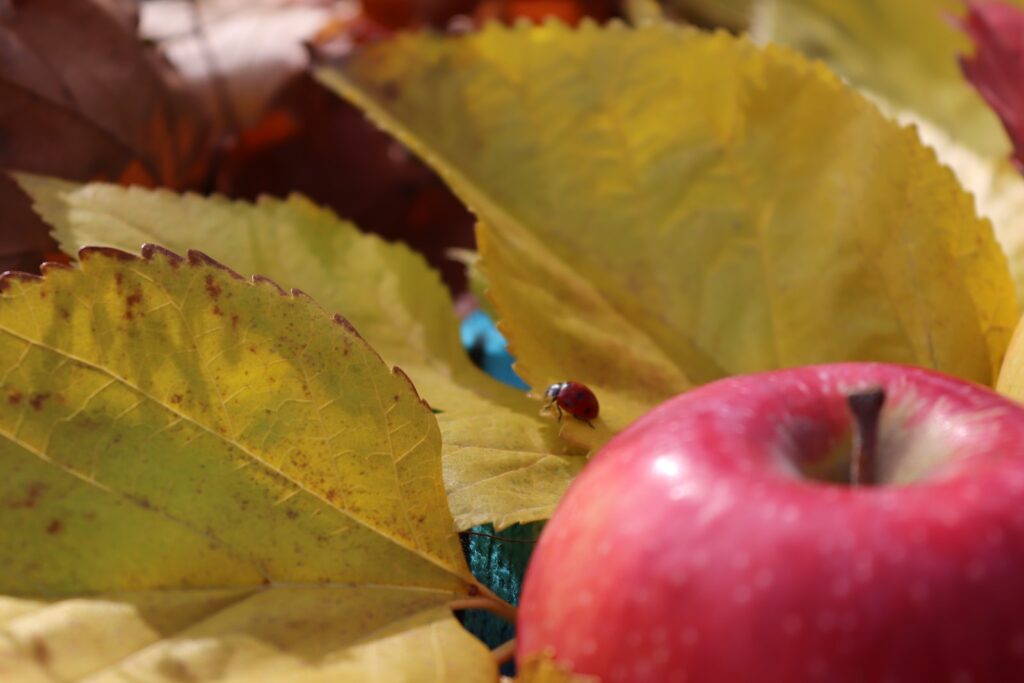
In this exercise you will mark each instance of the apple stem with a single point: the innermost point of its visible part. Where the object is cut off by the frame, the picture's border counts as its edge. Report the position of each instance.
(865, 406)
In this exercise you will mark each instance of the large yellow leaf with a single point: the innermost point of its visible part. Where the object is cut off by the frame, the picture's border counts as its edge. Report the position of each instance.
(904, 55)
(502, 463)
(997, 186)
(661, 207)
(904, 51)
(214, 480)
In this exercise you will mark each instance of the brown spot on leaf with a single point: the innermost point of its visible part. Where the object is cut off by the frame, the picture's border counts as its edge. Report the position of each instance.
(217, 311)
(176, 398)
(118, 279)
(32, 494)
(473, 590)
(174, 668)
(234, 322)
(212, 288)
(14, 398)
(37, 400)
(131, 300)
(40, 651)
(54, 527)
(292, 514)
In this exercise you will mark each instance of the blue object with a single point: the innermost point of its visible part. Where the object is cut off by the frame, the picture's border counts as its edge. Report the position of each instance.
(488, 349)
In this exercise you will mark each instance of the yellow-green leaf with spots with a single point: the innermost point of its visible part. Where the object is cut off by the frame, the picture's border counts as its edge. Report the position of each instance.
(502, 462)
(206, 478)
(662, 207)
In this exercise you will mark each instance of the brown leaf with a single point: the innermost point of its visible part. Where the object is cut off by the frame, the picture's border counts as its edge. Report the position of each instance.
(82, 98)
(313, 143)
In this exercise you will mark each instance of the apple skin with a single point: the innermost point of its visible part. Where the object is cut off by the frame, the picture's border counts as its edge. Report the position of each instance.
(692, 549)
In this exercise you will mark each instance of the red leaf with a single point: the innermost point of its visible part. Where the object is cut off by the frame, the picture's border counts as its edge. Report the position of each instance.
(996, 69)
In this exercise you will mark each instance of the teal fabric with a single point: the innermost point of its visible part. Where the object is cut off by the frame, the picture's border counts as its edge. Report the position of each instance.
(499, 564)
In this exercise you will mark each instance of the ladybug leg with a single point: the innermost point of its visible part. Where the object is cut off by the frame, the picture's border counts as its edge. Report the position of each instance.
(559, 409)
(591, 424)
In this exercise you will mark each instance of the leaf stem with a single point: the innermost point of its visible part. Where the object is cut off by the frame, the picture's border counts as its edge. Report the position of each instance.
(504, 652)
(492, 604)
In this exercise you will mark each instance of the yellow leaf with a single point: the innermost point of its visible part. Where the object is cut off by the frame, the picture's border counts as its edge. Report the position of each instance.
(503, 464)
(904, 51)
(904, 56)
(217, 478)
(731, 14)
(312, 633)
(1011, 376)
(542, 668)
(997, 186)
(661, 207)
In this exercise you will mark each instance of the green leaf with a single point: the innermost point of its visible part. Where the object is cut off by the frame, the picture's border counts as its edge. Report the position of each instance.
(503, 464)
(661, 207)
(214, 479)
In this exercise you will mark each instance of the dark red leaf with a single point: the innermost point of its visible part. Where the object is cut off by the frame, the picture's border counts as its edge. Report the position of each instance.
(81, 97)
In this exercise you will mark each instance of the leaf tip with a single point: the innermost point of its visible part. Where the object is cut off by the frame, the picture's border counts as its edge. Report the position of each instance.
(343, 321)
(198, 258)
(264, 280)
(400, 373)
(86, 253)
(149, 251)
(10, 276)
(46, 267)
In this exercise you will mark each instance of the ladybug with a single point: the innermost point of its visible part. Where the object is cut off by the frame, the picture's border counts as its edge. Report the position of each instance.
(574, 398)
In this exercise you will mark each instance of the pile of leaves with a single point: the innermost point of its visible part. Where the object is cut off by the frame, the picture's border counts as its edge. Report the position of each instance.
(245, 450)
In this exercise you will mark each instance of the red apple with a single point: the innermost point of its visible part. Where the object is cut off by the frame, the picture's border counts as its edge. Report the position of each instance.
(718, 538)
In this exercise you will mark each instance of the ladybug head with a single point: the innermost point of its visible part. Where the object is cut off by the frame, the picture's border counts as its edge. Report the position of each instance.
(555, 389)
